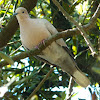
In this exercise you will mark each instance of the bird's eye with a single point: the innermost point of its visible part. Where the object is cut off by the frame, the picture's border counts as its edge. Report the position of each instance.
(23, 12)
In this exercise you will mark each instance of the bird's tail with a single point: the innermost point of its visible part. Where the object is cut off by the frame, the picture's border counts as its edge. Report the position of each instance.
(80, 78)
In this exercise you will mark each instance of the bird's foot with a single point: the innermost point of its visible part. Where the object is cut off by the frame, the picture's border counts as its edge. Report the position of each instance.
(42, 42)
(37, 46)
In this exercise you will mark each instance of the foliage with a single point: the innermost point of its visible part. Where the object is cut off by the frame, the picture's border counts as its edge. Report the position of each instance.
(30, 71)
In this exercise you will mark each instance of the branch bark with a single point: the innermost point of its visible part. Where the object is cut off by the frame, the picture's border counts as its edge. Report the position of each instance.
(83, 33)
(7, 33)
(66, 33)
(70, 88)
(41, 47)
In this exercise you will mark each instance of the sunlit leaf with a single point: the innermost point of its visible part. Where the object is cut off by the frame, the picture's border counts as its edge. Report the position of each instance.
(1, 2)
(74, 94)
(8, 66)
(74, 5)
(96, 84)
(35, 97)
(98, 20)
(74, 48)
(85, 6)
(48, 1)
(49, 11)
(80, 9)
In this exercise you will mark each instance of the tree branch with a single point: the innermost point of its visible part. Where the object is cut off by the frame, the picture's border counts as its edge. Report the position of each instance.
(83, 33)
(70, 88)
(7, 33)
(99, 48)
(41, 47)
(66, 33)
(37, 51)
(40, 84)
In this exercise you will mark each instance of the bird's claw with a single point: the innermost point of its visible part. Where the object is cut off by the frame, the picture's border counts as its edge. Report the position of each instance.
(42, 42)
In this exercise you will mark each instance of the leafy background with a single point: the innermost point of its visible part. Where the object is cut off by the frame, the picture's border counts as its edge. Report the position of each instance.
(30, 71)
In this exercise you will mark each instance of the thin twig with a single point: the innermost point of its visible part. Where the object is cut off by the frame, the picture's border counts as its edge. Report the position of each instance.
(99, 48)
(88, 12)
(4, 88)
(99, 44)
(70, 96)
(83, 33)
(14, 78)
(16, 50)
(40, 84)
(10, 43)
(6, 10)
(70, 88)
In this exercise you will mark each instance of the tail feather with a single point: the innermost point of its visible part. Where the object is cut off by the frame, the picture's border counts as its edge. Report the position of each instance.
(81, 79)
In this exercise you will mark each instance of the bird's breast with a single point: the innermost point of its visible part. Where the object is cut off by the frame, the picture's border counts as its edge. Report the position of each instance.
(32, 36)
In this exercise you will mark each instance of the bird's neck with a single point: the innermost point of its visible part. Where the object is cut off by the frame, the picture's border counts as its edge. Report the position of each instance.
(23, 21)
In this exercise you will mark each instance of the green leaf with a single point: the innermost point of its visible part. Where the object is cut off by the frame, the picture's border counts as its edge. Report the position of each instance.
(65, 6)
(74, 5)
(6, 58)
(35, 97)
(63, 95)
(74, 48)
(58, 98)
(80, 9)
(1, 2)
(96, 69)
(74, 94)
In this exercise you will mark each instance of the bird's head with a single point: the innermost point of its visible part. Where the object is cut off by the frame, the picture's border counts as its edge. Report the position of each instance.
(21, 13)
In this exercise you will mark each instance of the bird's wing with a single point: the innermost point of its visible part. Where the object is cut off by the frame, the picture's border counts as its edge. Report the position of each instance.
(53, 31)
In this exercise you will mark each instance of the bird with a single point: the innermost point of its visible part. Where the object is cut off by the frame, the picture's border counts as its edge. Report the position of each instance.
(33, 31)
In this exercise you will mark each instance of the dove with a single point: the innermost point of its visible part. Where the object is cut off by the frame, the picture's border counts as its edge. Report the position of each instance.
(33, 31)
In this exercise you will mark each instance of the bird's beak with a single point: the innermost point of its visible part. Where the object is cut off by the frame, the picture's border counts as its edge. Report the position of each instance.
(15, 14)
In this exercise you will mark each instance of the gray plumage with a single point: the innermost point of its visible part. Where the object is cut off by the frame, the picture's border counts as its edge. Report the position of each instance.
(33, 31)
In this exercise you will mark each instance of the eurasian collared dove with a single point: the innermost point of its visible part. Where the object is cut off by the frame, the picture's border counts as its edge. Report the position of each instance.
(33, 31)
